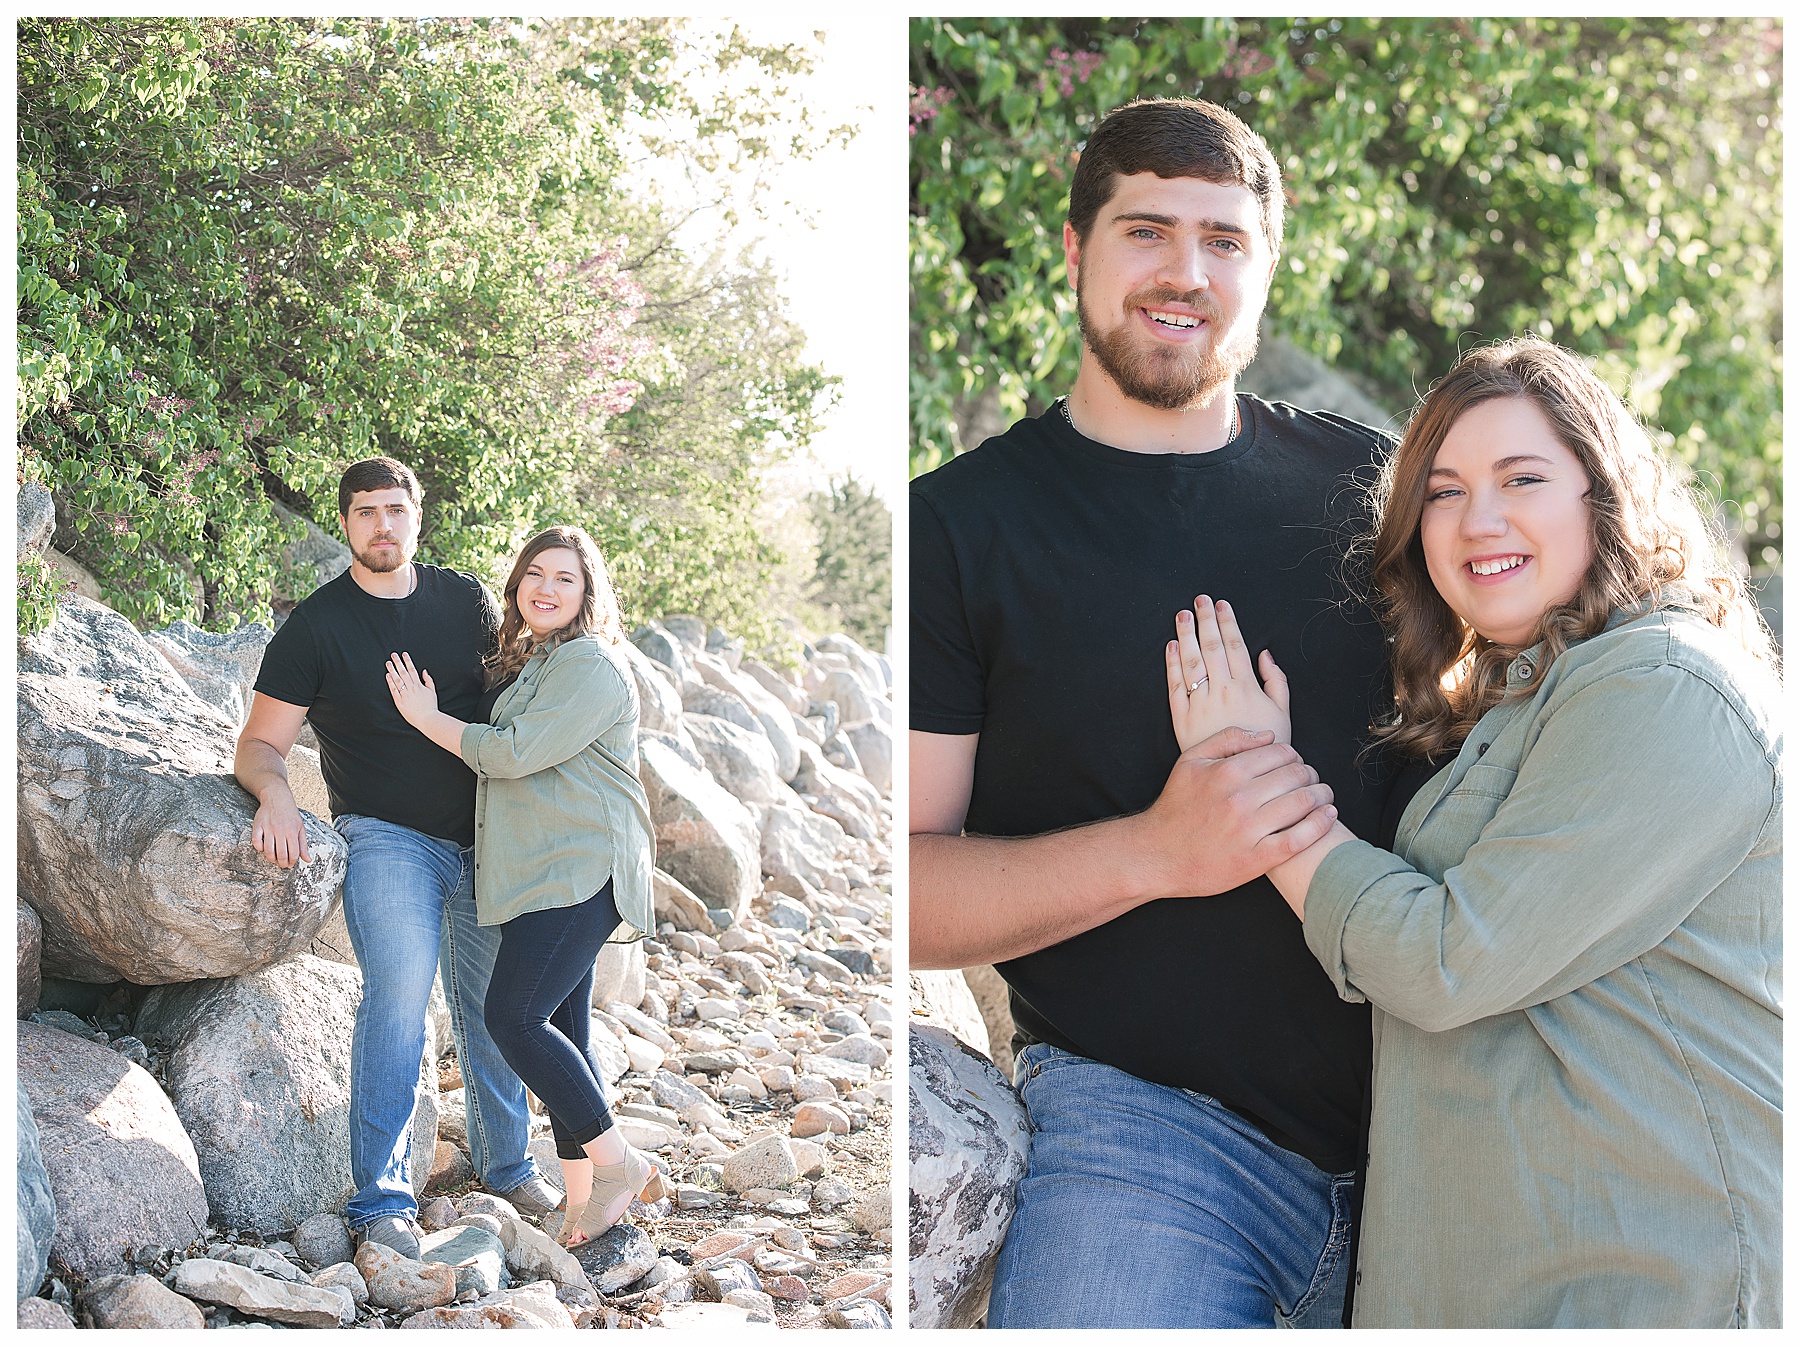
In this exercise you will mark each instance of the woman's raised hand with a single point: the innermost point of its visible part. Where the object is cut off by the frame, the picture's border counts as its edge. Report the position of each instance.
(414, 693)
(1212, 685)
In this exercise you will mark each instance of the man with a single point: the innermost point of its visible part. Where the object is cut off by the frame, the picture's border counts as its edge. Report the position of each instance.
(406, 810)
(1194, 1085)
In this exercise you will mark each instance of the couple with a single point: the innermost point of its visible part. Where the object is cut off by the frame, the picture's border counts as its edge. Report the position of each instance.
(481, 768)
(1554, 874)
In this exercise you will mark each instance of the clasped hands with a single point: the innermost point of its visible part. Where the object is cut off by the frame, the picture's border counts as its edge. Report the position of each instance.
(1239, 801)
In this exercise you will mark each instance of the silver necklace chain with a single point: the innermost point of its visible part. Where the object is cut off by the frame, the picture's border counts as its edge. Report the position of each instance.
(1236, 422)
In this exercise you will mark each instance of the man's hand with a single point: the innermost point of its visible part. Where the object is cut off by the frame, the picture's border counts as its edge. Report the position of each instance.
(1234, 807)
(261, 768)
(278, 831)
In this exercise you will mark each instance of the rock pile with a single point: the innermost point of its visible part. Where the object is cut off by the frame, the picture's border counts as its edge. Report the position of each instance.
(193, 1138)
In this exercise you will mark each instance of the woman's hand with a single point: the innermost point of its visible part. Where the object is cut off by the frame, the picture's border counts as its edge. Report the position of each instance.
(414, 693)
(1212, 685)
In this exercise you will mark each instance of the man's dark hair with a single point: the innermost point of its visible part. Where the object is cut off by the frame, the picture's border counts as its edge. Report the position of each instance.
(1175, 138)
(375, 474)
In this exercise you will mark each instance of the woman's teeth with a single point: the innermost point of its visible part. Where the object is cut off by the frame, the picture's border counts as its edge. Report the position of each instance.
(1494, 567)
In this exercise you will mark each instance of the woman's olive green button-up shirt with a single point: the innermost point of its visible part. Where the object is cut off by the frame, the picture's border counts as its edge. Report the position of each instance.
(559, 808)
(1575, 963)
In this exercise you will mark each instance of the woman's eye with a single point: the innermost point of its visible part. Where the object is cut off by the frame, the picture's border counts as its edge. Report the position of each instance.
(1525, 479)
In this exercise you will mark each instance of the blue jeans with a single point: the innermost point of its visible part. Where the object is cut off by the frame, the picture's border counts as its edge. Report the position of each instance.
(1147, 1206)
(540, 1012)
(409, 904)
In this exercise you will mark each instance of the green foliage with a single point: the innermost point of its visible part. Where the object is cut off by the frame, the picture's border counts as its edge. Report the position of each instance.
(1612, 184)
(673, 502)
(253, 251)
(853, 579)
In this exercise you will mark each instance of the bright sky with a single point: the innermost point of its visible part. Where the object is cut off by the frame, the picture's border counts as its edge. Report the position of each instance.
(834, 227)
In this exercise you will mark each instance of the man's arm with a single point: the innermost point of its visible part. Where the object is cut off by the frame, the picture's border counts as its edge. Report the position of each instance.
(261, 768)
(1234, 807)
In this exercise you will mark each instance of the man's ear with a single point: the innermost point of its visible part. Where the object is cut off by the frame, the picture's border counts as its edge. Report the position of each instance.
(1072, 252)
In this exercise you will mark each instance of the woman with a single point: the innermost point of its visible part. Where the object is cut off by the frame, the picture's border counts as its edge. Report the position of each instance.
(563, 845)
(1574, 957)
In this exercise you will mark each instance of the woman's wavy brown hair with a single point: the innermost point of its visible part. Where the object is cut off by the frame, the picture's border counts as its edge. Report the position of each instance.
(1651, 546)
(599, 612)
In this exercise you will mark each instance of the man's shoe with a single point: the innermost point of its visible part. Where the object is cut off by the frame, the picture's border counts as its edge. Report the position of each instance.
(392, 1231)
(534, 1197)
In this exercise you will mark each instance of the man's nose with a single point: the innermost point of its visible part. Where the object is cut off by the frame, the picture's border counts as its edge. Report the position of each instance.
(1184, 267)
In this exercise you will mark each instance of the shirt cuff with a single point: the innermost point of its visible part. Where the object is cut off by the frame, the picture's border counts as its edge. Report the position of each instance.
(1343, 876)
(471, 745)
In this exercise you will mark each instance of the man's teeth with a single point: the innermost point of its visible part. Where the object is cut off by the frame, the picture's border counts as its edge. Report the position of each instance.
(1496, 566)
(1174, 320)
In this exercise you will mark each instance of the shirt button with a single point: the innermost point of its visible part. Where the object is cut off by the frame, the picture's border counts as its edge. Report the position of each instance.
(1479, 749)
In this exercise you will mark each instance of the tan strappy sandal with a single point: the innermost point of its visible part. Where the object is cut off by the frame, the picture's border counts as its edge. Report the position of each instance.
(637, 1174)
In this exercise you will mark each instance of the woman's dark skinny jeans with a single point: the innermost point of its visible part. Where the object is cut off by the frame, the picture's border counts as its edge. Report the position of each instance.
(538, 1004)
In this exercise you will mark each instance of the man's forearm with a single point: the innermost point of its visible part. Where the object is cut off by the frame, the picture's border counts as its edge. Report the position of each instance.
(258, 767)
(1233, 808)
(981, 900)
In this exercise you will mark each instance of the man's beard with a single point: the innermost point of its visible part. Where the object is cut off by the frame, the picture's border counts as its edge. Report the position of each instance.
(382, 563)
(1169, 378)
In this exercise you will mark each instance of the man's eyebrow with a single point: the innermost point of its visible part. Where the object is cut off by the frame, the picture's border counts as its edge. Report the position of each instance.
(1171, 222)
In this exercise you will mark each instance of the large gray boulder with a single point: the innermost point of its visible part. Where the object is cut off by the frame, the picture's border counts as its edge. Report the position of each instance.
(1282, 372)
(313, 558)
(678, 905)
(122, 1170)
(818, 776)
(219, 667)
(37, 1205)
(800, 842)
(830, 678)
(741, 761)
(260, 1074)
(659, 704)
(661, 645)
(874, 745)
(37, 518)
(945, 1000)
(688, 629)
(966, 1146)
(706, 699)
(134, 838)
(704, 838)
(619, 972)
(772, 714)
(789, 694)
(31, 939)
(870, 667)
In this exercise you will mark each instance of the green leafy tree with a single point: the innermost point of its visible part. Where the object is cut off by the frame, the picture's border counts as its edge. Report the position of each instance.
(252, 251)
(674, 501)
(1611, 184)
(853, 580)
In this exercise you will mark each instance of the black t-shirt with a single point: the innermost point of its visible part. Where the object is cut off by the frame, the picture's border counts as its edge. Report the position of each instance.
(1047, 570)
(330, 656)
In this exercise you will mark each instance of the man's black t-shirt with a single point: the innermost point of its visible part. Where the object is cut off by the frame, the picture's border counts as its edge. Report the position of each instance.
(330, 656)
(1047, 570)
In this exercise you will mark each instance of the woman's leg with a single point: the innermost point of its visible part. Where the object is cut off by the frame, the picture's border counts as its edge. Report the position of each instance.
(544, 957)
